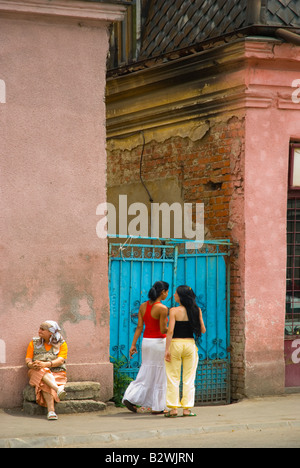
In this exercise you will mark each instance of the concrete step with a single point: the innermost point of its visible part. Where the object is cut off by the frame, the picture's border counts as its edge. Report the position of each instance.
(64, 407)
(82, 397)
(75, 391)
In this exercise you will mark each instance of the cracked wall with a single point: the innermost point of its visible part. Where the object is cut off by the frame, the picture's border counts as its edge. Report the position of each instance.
(196, 163)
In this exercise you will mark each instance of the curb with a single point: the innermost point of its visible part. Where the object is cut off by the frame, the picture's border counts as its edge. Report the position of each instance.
(76, 440)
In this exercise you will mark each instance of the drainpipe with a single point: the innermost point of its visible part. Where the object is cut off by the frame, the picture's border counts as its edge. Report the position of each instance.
(253, 13)
(288, 36)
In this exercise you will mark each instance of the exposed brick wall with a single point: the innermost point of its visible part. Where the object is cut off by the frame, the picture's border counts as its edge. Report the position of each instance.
(209, 171)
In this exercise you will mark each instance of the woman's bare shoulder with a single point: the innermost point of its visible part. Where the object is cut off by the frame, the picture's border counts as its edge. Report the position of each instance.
(179, 312)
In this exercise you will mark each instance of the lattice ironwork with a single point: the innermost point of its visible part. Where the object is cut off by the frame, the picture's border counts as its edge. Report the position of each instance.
(212, 383)
(133, 268)
(165, 252)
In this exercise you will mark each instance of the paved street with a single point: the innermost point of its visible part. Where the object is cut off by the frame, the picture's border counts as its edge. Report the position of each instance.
(259, 422)
(260, 438)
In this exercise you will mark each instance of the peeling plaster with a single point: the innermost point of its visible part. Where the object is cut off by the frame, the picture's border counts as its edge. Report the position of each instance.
(194, 131)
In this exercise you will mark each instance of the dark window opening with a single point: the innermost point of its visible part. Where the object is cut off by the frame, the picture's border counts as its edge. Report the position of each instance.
(292, 320)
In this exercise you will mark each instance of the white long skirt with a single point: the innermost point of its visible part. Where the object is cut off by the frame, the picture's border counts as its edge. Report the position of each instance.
(149, 388)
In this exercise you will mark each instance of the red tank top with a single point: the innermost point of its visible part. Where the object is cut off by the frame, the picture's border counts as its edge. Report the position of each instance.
(152, 328)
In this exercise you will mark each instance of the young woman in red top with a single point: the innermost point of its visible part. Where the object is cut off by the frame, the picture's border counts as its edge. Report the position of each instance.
(149, 388)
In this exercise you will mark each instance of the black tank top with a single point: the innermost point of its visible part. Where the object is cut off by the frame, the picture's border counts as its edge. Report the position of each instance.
(183, 330)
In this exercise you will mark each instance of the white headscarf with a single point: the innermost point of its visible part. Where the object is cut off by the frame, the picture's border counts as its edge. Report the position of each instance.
(56, 338)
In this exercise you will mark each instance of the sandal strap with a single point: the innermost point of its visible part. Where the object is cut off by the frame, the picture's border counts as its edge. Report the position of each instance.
(143, 410)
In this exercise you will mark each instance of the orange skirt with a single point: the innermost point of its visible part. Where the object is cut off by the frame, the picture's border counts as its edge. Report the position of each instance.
(35, 380)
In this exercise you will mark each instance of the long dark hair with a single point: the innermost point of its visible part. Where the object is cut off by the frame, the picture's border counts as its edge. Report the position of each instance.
(157, 289)
(188, 300)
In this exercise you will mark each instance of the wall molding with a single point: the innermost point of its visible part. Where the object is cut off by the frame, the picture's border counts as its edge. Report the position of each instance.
(90, 13)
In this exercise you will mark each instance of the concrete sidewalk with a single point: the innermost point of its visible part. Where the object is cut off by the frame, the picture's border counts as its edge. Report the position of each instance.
(18, 430)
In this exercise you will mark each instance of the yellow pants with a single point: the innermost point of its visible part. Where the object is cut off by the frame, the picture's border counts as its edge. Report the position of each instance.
(182, 351)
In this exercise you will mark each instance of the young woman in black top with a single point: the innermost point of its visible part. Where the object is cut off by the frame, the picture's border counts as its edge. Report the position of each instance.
(185, 324)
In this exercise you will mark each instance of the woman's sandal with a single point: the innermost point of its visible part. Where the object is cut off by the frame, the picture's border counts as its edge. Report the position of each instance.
(61, 393)
(130, 406)
(144, 410)
(171, 415)
(51, 416)
(189, 414)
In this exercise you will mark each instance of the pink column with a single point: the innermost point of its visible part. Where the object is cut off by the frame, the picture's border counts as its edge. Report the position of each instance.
(272, 120)
(53, 163)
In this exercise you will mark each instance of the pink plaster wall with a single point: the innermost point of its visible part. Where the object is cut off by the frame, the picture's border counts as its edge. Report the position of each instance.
(272, 120)
(53, 176)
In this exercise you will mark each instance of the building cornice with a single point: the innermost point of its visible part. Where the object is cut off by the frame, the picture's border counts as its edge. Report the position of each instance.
(87, 13)
(229, 78)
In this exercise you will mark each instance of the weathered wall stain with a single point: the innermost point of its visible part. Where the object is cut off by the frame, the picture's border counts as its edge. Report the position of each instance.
(27, 294)
(75, 305)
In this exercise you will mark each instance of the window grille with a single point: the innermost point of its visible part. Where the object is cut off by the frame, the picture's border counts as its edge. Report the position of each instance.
(292, 326)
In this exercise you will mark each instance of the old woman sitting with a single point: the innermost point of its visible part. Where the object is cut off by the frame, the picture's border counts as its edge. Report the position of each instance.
(45, 359)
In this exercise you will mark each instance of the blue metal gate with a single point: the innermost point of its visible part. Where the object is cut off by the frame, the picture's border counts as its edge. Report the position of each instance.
(133, 268)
